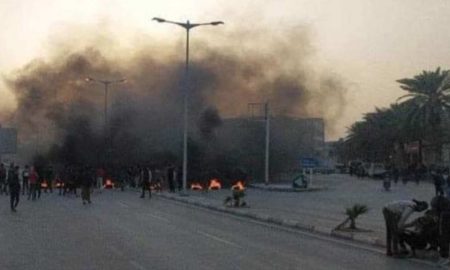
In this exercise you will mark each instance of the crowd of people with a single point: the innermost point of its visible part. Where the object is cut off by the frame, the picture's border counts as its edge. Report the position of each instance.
(31, 181)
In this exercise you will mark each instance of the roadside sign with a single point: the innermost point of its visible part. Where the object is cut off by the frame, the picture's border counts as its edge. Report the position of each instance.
(8, 140)
(309, 162)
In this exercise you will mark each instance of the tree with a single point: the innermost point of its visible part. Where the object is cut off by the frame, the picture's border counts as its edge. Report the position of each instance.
(352, 214)
(428, 99)
(374, 137)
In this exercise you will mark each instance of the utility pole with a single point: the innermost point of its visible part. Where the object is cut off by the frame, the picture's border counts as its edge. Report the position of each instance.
(267, 118)
(187, 26)
(266, 113)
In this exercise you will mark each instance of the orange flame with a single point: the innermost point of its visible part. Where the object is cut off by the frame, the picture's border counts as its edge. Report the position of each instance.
(59, 184)
(196, 186)
(238, 186)
(109, 184)
(155, 186)
(214, 184)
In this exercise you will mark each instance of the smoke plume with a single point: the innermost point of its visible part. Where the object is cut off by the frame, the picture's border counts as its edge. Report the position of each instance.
(61, 114)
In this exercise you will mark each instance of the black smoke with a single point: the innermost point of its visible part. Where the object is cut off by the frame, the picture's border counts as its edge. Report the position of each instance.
(61, 116)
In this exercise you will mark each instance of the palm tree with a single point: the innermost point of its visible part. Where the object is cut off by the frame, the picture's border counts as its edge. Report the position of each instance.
(428, 99)
(352, 214)
(374, 137)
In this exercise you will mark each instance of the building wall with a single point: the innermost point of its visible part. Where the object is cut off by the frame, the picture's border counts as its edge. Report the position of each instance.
(290, 140)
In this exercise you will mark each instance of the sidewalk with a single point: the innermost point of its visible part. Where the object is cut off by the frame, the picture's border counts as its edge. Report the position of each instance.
(284, 187)
(319, 211)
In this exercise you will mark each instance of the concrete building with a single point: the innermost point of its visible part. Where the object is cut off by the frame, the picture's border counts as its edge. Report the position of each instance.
(290, 140)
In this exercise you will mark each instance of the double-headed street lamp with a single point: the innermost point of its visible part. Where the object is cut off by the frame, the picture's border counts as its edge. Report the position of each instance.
(106, 83)
(188, 26)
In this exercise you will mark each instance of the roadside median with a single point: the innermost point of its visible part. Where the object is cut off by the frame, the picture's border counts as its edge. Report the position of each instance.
(247, 212)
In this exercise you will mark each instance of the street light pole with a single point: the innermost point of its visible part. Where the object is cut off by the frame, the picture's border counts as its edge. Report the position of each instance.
(188, 26)
(267, 149)
(106, 83)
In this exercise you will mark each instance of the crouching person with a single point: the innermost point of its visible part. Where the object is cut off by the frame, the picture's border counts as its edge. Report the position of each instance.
(395, 215)
(422, 233)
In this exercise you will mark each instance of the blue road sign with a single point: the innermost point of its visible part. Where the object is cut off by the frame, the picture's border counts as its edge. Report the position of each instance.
(309, 163)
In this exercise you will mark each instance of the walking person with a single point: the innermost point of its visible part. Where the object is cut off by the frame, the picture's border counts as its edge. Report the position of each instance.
(446, 178)
(100, 175)
(395, 216)
(14, 188)
(179, 177)
(438, 182)
(86, 182)
(25, 180)
(10, 176)
(34, 179)
(146, 178)
(171, 178)
(395, 174)
(40, 181)
(49, 175)
(2, 178)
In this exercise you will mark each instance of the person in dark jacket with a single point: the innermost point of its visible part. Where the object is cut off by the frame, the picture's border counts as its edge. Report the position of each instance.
(33, 181)
(25, 178)
(49, 175)
(14, 187)
(441, 205)
(2, 178)
(179, 174)
(146, 178)
(438, 181)
(171, 178)
(86, 180)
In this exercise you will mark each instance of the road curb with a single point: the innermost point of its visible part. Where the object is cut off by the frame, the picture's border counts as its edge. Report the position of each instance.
(291, 224)
(286, 189)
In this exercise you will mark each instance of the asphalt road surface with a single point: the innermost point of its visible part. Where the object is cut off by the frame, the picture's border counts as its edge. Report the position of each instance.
(121, 231)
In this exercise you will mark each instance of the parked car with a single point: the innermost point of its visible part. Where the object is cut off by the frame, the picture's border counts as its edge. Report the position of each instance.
(354, 166)
(376, 170)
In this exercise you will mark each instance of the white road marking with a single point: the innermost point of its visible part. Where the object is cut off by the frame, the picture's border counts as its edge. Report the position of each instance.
(137, 265)
(123, 204)
(219, 239)
(157, 217)
(327, 238)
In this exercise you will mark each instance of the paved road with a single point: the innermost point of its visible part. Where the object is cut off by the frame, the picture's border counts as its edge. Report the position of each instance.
(325, 209)
(121, 231)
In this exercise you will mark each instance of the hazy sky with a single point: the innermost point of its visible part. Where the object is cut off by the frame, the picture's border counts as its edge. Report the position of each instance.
(368, 44)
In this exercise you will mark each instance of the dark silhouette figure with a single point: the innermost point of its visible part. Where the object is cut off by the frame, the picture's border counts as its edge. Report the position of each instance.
(14, 187)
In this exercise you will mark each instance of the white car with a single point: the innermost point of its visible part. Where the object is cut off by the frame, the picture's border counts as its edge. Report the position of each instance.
(376, 170)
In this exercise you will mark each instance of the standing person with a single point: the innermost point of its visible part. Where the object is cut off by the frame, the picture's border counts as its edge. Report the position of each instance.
(171, 178)
(25, 179)
(49, 178)
(438, 181)
(441, 206)
(34, 179)
(179, 174)
(2, 178)
(387, 182)
(395, 174)
(395, 215)
(14, 188)
(86, 182)
(100, 175)
(447, 180)
(146, 178)
(9, 177)
(40, 180)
